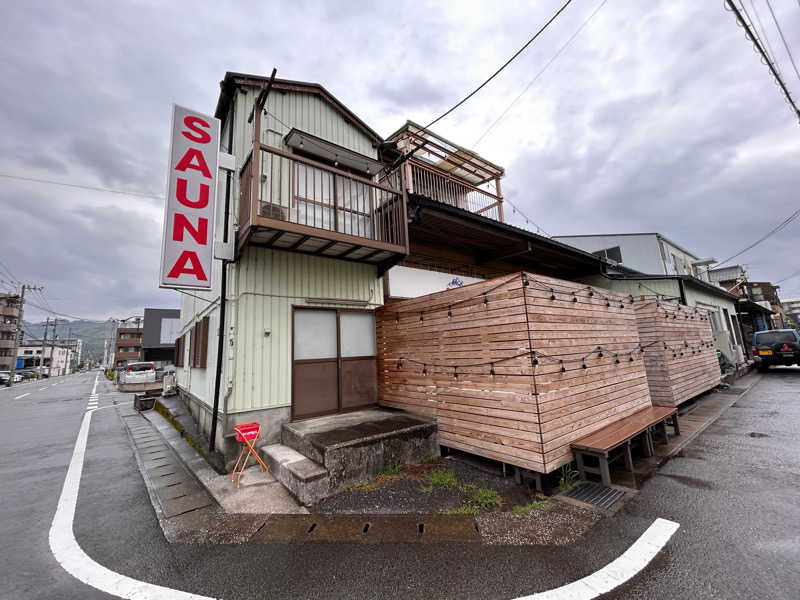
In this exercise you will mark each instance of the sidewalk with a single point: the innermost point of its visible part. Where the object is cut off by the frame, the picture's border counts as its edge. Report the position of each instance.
(194, 503)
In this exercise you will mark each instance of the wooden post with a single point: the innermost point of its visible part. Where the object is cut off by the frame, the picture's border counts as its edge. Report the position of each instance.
(628, 456)
(499, 200)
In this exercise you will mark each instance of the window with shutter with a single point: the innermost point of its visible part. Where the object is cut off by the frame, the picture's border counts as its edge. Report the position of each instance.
(204, 324)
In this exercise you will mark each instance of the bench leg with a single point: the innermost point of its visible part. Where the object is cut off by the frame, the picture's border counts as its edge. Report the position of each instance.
(663, 427)
(517, 475)
(605, 475)
(628, 457)
(675, 426)
(537, 477)
(647, 445)
(579, 462)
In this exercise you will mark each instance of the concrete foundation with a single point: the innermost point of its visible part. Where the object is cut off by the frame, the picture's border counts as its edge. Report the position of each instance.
(271, 420)
(322, 456)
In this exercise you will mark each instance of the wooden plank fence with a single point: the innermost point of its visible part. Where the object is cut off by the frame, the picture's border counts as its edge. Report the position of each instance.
(680, 356)
(514, 368)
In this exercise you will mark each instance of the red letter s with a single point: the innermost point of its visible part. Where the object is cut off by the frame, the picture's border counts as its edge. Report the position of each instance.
(194, 123)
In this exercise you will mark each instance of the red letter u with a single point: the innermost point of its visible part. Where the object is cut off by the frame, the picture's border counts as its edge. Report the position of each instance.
(181, 190)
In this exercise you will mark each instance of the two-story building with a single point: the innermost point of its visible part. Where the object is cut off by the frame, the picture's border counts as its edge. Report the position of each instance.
(331, 221)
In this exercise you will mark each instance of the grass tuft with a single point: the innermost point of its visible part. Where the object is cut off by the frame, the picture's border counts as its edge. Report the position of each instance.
(393, 469)
(531, 506)
(441, 478)
(467, 509)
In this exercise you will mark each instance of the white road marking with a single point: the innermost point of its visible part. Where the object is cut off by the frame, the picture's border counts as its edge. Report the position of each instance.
(71, 556)
(22, 396)
(44, 388)
(617, 572)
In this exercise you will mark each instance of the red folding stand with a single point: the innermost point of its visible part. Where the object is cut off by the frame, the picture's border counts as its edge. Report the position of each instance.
(247, 434)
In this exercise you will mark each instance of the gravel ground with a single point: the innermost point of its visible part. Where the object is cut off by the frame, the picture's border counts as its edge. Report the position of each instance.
(558, 525)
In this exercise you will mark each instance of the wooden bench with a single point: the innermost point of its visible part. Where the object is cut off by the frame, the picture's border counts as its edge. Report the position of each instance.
(602, 442)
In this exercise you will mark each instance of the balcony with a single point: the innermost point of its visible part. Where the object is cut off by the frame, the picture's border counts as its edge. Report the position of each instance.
(440, 170)
(290, 202)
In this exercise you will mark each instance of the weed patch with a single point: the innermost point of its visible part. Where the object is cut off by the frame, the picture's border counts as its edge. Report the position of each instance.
(441, 478)
(531, 506)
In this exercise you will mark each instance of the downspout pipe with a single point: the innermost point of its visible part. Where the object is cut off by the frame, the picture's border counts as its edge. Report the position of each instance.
(223, 294)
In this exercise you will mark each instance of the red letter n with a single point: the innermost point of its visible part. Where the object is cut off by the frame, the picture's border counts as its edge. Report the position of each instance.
(181, 223)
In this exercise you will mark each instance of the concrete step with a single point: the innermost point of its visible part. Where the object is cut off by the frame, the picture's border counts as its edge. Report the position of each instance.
(307, 480)
(354, 447)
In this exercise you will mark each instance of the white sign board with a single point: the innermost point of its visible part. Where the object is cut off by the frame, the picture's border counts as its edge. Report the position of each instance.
(407, 282)
(187, 249)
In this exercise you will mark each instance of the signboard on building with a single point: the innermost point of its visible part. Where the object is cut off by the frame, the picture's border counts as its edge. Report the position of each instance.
(187, 248)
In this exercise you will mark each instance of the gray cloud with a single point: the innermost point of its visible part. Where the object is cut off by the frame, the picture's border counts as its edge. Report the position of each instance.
(658, 117)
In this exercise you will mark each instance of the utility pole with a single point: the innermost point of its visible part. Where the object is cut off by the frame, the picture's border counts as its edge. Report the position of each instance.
(19, 331)
(68, 365)
(53, 346)
(44, 339)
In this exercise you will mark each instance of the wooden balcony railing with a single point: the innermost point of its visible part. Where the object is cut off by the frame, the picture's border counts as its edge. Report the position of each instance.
(301, 196)
(438, 185)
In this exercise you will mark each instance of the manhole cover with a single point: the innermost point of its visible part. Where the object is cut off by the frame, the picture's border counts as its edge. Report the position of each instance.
(595, 494)
(755, 434)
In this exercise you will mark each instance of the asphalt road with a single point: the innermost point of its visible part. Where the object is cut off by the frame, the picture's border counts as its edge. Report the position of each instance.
(734, 495)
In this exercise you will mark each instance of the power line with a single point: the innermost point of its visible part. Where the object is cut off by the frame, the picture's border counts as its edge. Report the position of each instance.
(759, 30)
(497, 72)
(540, 73)
(740, 20)
(795, 274)
(773, 231)
(785, 45)
(52, 312)
(80, 186)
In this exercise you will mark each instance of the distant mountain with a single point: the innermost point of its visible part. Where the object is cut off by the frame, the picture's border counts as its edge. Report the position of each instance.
(93, 334)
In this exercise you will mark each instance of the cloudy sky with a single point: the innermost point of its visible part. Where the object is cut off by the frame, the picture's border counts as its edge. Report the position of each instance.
(658, 116)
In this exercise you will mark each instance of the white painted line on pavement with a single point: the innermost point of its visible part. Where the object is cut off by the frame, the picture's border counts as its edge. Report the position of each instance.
(71, 556)
(44, 388)
(22, 396)
(617, 572)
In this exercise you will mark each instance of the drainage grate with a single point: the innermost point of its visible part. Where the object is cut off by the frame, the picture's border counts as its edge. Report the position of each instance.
(733, 390)
(595, 494)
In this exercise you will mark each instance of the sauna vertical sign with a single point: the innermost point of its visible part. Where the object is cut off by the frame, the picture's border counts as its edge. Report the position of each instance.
(187, 250)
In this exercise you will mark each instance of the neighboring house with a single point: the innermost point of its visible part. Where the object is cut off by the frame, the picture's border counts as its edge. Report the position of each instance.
(160, 329)
(754, 315)
(128, 345)
(792, 309)
(58, 358)
(10, 305)
(650, 253)
(766, 294)
(651, 265)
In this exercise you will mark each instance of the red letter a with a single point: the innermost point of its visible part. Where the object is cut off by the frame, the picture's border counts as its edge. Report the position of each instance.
(187, 162)
(179, 268)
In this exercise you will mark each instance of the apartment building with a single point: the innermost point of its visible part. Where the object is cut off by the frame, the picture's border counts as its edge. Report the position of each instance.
(10, 306)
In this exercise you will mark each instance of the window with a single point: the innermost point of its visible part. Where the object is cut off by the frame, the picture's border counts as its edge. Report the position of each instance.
(179, 346)
(28, 352)
(776, 337)
(198, 344)
(614, 253)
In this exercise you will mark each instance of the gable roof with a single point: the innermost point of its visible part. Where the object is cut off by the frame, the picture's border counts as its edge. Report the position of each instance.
(232, 80)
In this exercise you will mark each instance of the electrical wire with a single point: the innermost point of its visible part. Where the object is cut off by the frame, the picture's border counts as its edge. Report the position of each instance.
(497, 72)
(59, 314)
(759, 30)
(79, 186)
(772, 232)
(793, 275)
(753, 39)
(785, 44)
(540, 73)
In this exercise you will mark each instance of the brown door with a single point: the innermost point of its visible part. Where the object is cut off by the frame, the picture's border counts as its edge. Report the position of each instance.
(334, 367)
